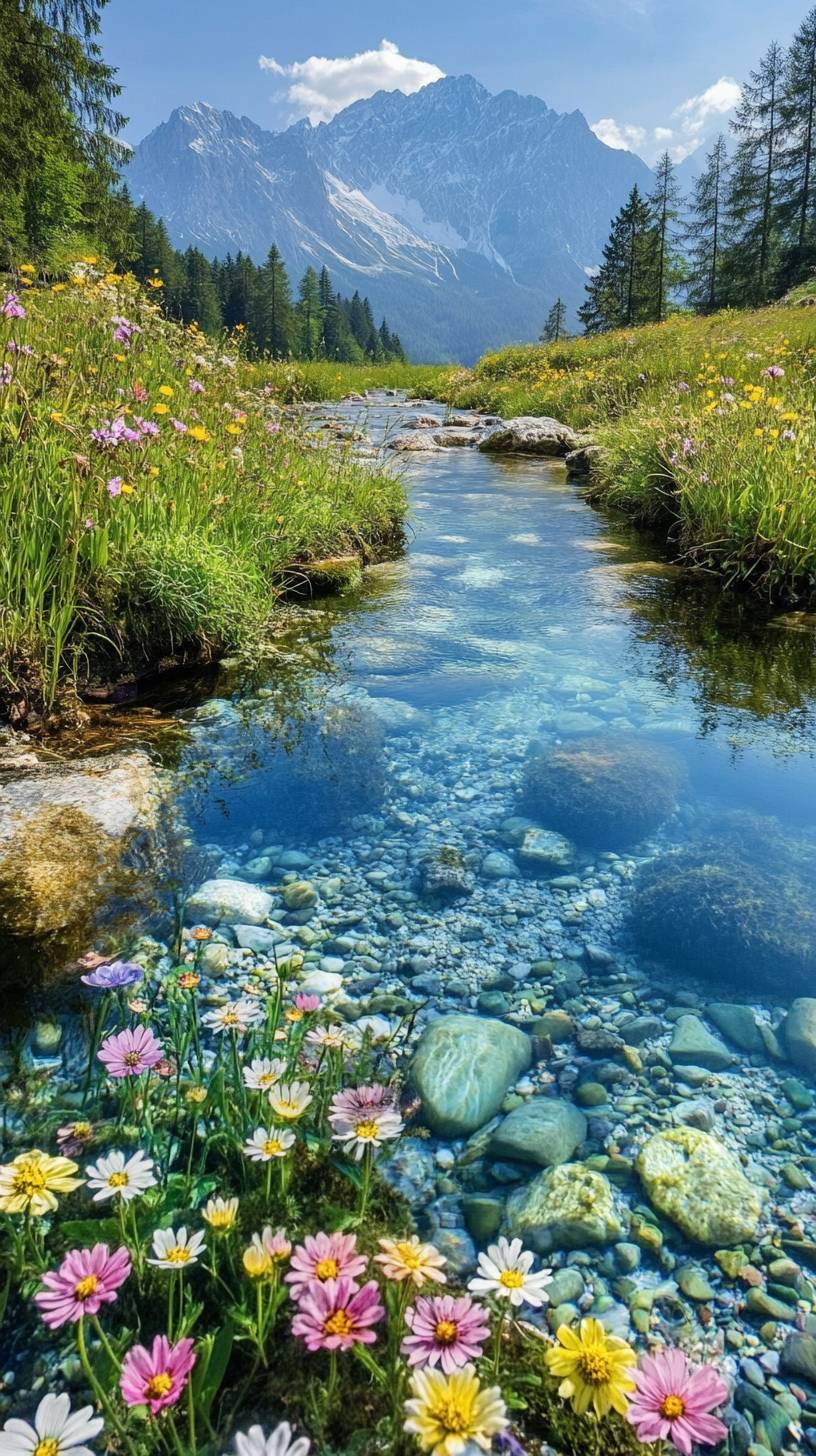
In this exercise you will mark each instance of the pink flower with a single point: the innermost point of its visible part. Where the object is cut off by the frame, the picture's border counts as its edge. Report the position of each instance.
(674, 1401)
(332, 1316)
(357, 1099)
(363, 1119)
(156, 1377)
(774, 371)
(114, 486)
(196, 387)
(322, 1257)
(306, 1003)
(129, 1053)
(445, 1331)
(86, 1279)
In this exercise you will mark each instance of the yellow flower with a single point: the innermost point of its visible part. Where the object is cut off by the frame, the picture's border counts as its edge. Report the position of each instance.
(29, 1183)
(160, 409)
(448, 1412)
(220, 1214)
(58, 287)
(26, 268)
(593, 1367)
(166, 391)
(409, 1259)
(90, 261)
(197, 432)
(233, 429)
(256, 1260)
(120, 358)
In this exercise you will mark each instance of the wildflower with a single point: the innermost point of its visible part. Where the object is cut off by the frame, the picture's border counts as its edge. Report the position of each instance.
(172, 1250)
(674, 1401)
(30, 1182)
(156, 1377)
(197, 432)
(774, 371)
(166, 390)
(449, 1414)
(307, 1003)
(166, 1068)
(73, 1137)
(160, 409)
(409, 1259)
(788, 434)
(145, 427)
(325, 1256)
(179, 426)
(11, 307)
(196, 387)
(331, 1038)
(196, 1095)
(445, 1331)
(129, 1053)
(683, 388)
(86, 1279)
(272, 428)
(202, 933)
(118, 1177)
(263, 1073)
(115, 974)
(124, 330)
(189, 980)
(220, 1213)
(57, 1430)
(280, 1443)
(6, 374)
(505, 1271)
(596, 1368)
(257, 1261)
(359, 1123)
(289, 1100)
(237, 1016)
(264, 1145)
(336, 1315)
(112, 433)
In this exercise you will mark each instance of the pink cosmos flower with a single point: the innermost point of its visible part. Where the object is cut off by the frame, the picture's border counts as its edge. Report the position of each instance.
(445, 1331)
(86, 1279)
(322, 1257)
(306, 1003)
(674, 1401)
(357, 1099)
(129, 1053)
(332, 1316)
(156, 1377)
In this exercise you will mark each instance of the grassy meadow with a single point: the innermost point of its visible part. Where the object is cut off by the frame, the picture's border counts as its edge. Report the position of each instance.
(706, 427)
(152, 491)
(323, 380)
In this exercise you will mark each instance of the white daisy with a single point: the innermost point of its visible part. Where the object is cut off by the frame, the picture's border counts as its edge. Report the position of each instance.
(57, 1430)
(263, 1073)
(115, 1176)
(289, 1100)
(505, 1271)
(236, 1016)
(366, 1128)
(173, 1249)
(268, 1143)
(280, 1443)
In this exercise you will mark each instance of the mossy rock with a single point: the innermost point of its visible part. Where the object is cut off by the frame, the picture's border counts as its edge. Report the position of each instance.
(603, 792)
(697, 1182)
(568, 1207)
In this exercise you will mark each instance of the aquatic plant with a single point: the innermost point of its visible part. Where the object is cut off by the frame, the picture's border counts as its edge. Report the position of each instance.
(607, 792)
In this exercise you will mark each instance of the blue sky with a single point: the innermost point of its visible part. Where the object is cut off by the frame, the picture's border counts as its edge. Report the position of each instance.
(653, 73)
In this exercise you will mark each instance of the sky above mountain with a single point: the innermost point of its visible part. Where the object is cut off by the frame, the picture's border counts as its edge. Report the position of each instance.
(647, 74)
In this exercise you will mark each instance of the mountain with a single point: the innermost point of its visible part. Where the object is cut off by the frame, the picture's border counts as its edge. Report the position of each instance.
(461, 214)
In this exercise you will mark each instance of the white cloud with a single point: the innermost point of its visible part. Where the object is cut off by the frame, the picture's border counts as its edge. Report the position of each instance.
(695, 114)
(321, 86)
(662, 133)
(622, 136)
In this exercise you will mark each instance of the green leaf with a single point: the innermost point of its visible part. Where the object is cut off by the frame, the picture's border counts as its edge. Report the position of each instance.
(80, 1233)
(214, 1358)
(352, 1171)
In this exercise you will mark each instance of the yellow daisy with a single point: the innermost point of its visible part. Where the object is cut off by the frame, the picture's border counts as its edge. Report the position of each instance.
(448, 1413)
(593, 1368)
(29, 1183)
(403, 1259)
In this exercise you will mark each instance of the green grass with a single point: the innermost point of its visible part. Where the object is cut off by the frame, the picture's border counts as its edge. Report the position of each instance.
(189, 553)
(294, 381)
(696, 435)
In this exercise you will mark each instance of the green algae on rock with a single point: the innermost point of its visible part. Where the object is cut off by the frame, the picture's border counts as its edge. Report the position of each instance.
(569, 1207)
(605, 792)
(463, 1067)
(697, 1182)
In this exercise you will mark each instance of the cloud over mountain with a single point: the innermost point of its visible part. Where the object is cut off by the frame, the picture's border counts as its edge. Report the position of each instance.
(321, 86)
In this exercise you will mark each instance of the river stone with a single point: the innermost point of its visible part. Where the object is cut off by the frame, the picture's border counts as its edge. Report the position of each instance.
(67, 836)
(800, 1033)
(543, 848)
(604, 792)
(697, 1182)
(228, 902)
(798, 1357)
(259, 938)
(694, 1045)
(416, 440)
(530, 435)
(569, 1207)
(300, 895)
(545, 1131)
(737, 1023)
(463, 1067)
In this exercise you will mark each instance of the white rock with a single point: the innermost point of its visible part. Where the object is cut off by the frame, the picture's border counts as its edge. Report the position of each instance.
(230, 902)
(322, 983)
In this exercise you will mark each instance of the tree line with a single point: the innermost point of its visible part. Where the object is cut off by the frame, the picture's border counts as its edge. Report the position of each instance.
(60, 194)
(747, 233)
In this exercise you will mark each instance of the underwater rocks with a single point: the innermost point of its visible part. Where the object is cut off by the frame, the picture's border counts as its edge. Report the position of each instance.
(229, 902)
(800, 1033)
(530, 435)
(569, 1207)
(339, 770)
(443, 876)
(603, 792)
(66, 835)
(697, 1182)
(463, 1067)
(544, 1131)
(693, 1045)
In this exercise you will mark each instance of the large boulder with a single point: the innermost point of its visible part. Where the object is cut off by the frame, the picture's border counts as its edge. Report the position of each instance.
(463, 1068)
(416, 440)
(545, 1131)
(603, 792)
(70, 838)
(800, 1033)
(695, 1181)
(569, 1207)
(530, 435)
(228, 902)
(693, 1045)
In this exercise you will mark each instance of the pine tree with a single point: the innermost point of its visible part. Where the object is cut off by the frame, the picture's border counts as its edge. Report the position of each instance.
(555, 327)
(199, 298)
(705, 231)
(622, 292)
(754, 240)
(665, 205)
(276, 332)
(310, 316)
(797, 207)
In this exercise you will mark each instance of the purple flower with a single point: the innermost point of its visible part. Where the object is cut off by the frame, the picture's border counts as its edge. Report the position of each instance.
(114, 485)
(6, 374)
(683, 388)
(272, 428)
(145, 427)
(114, 432)
(689, 447)
(13, 347)
(196, 387)
(507, 1445)
(788, 434)
(27, 350)
(124, 330)
(113, 976)
(727, 381)
(774, 371)
(12, 307)
(179, 426)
